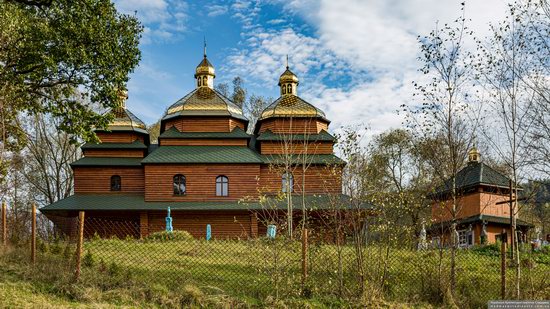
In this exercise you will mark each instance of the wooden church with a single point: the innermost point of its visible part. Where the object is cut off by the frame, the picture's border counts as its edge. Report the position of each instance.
(206, 167)
(483, 213)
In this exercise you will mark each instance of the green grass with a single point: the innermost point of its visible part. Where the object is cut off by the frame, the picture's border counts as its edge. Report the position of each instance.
(257, 273)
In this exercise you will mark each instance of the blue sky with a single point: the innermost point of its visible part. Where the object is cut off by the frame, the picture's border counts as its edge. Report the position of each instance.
(356, 59)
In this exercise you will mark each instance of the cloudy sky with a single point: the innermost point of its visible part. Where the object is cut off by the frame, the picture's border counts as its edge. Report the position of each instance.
(355, 59)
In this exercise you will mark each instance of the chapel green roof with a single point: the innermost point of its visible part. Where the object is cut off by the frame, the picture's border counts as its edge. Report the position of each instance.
(270, 136)
(114, 202)
(135, 145)
(474, 174)
(101, 161)
(203, 154)
(174, 133)
(480, 218)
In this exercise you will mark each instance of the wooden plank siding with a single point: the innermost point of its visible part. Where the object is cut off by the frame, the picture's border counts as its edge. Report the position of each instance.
(200, 181)
(98, 179)
(297, 147)
(224, 224)
(318, 180)
(119, 137)
(204, 124)
(202, 142)
(293, 125)
(114, 153)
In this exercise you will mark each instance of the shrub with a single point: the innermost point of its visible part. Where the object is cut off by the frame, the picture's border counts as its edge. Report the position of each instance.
(168, 236)
(88, 259)
(488, 250)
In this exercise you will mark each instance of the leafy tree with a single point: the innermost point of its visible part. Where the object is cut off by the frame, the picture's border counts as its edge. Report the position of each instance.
(56, 57)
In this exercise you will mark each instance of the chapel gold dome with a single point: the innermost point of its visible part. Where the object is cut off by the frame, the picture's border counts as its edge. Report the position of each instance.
(288, 77)
(205, 68)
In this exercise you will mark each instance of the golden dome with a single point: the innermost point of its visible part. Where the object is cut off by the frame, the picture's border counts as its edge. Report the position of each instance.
(124, 120)
(291, 106)
(288, 77)
(205, 68)
(474, 155)
(204, 101)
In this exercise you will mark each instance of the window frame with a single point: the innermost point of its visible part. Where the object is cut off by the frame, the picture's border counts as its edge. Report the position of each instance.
(177, 181)
(284, 179)
(114, 180)
(223, 182)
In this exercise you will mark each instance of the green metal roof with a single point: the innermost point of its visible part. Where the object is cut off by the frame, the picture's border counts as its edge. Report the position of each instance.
(135, 145)
(100, 161)
(481, 218)
(174, 133)
(474, 174)
(203, 154)
(86, 202)
(297, 159)
(270, 136)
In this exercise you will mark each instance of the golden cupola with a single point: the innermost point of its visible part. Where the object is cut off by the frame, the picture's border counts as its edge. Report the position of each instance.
(124, 119)
(289, 104)
(205, 73)
(474, 156)
(288, 82)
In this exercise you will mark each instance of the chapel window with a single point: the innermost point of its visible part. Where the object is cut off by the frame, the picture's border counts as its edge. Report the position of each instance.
(179, 185)
(115, 183)
(222, 186)
(287, 183)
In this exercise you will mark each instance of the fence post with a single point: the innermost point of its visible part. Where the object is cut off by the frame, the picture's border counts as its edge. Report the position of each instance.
(503, 270)
(4, 224)
(79, 243)
(304, 258)
(33, 233)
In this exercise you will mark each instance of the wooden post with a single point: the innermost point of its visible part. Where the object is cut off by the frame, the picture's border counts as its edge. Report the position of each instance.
(304, 258)
(79, 244)
(33, 232)
(503, 270)
(4, 224)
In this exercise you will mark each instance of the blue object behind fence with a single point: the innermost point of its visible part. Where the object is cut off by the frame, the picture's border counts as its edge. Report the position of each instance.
(271, 231)
(169, 222)
(208, 232)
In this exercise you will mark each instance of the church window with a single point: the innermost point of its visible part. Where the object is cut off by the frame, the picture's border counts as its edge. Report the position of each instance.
(204, 81)
(287, 182)
(115, 183)
(222, 186)
(289, 89)
(199, 81)
(284, 89)
(179, 185)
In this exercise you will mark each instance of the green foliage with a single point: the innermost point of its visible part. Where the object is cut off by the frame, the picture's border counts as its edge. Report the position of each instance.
(88, 259)
(57, 58)
(169, 236)
(488, 250)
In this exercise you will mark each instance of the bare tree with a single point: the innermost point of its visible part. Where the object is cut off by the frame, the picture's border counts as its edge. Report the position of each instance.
(515, 81)
(443, 115)
(50, 152)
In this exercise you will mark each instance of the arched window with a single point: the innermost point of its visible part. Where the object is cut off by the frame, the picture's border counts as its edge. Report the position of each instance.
(204, 81)
(222, 186)
(289, 89)
(199, 81)
(179, 185)
(287, 182)
(284, 89)
(115, 183)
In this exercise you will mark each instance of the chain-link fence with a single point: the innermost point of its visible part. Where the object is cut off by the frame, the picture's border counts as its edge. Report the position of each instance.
(259, 269)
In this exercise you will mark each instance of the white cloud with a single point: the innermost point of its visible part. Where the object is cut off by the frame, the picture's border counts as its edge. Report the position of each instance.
(373, 44)
(216, 10)
(163, 20)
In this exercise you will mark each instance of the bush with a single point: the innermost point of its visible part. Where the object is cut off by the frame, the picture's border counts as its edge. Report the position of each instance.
(88, 259)
(488, 250)
(168, 236)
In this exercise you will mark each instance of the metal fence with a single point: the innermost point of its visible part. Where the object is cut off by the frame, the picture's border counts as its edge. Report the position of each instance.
(280, 268)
